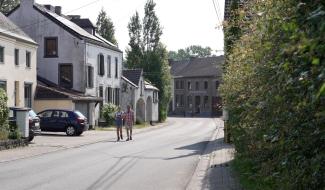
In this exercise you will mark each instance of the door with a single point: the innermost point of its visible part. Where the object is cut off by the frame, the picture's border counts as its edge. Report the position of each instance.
(62, 121)
(45, 120)
(197, 104)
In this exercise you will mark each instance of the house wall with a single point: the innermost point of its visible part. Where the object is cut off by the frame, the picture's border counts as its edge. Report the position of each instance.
(127, 95)
(154, 114)
(40, 105)
(70, 49)
(197, 109)
(10, 73)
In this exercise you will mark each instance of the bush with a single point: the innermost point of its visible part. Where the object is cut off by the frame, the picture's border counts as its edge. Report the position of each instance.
(108, 112)
(4, 113)
(274, 90)
(14, 132)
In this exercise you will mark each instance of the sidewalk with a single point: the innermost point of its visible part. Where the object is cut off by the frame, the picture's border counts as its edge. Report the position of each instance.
(52, 142)
(213, 170)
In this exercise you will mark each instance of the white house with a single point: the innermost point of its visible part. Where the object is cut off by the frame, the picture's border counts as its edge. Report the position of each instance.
(141, 95)
(72, 59)
(17, 64)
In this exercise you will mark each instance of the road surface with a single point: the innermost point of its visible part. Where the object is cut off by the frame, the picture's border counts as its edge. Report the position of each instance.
(163, 158)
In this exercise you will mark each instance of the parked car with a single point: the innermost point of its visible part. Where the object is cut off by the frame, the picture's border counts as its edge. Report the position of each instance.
(71, 122)
(34, 122)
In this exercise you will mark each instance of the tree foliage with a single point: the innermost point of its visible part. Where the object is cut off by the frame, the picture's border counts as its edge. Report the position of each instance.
(105, 27)
(4, 113)
(147, 52)
(191, 51)
(274, 90)
(7, 5)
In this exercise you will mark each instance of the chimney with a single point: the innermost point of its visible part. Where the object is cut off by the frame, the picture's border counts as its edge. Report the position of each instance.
(58, 10)
(27, 3)
(49, 7)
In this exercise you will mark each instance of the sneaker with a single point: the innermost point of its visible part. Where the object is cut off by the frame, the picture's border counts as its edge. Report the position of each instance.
(131, 138)
(121, 137)
(118, 139)
(127, 139)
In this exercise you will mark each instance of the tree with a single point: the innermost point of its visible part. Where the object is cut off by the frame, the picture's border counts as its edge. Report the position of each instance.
(147, 52)
(134, 53)
(7, 5)
(191, 51)
(105, 27)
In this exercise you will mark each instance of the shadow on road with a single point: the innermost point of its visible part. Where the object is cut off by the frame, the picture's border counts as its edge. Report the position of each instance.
(197, 148)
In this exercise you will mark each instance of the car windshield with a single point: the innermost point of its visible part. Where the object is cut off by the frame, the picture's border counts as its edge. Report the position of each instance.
(32, 113)
(79, 114)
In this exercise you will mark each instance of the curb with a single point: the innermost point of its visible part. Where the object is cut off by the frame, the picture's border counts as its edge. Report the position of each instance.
(201, 170)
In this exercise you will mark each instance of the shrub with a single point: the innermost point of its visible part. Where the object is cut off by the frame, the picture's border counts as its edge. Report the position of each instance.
(4, 112)
(274, 91)
(108, 112)
(14, 132)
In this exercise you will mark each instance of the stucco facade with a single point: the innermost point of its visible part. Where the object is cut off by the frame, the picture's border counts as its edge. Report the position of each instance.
(77, 48)
(17, 69)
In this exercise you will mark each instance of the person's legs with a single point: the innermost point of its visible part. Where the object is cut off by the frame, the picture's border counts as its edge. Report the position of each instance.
(127, 133)
(121, 134)
(117, 132)
(130, 132)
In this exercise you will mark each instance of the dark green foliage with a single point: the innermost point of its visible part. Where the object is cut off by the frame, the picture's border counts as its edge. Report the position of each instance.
(4, 113)
(14, 132)
(7, 5)
(191, 51)
(274, 90)
(105, 27)
(108, 112)
(147, 52)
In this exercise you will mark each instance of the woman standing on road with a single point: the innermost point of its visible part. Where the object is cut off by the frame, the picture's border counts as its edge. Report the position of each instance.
(119, 123)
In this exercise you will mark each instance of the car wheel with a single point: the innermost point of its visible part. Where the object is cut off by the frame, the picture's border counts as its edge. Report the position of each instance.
(31, 137)
(79, 133)
(70, 130)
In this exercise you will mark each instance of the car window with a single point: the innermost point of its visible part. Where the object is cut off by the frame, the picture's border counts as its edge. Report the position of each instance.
(45, 114)
(56, 114)
(64, 114)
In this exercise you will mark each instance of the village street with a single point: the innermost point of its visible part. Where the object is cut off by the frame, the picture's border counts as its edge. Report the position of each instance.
(163, 158)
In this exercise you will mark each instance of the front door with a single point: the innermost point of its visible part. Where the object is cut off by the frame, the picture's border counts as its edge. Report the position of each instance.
(197, 104)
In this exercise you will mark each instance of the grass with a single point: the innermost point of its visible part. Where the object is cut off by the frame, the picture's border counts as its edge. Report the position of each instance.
(247, 176)
(113, 128)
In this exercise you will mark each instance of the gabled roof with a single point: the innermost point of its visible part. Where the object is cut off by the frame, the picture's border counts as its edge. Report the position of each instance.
(71, 27)
(198, 67)
(47, 90)
(128, 81)
(8, 28)
(83, 23)
(133, 75)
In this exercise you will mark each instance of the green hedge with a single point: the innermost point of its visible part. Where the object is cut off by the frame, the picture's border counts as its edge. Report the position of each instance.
(4, 112)
(274, 90)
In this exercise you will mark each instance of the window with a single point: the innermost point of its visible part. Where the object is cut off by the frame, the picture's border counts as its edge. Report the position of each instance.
(101, 67)
(109, 94)
(141, 90)
(177, 84)
(177, 101)
(189, 101)
(46, 114)
(206, 101)
(181, 84)
(64, 114)
(205, 85)
(189, 85)
(116, 67)
(16, 93)
(197, 85)
(109, 67)
(3, 85)
(155, 97)
(51, 47)
(181, 100)
(117, 96)
(2, 54)
(101, 94)
(217, 84)
(28, 59)
(66, 75)
(90, 77)
(16, 57)
(28, 95)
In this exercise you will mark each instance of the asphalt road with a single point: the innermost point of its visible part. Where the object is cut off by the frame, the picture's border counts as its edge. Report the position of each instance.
(163, 158)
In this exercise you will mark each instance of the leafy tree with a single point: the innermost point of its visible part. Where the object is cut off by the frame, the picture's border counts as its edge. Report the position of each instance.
(134, 53)
(191, 51)
(105, 27)
(7, 5)
(147, 52)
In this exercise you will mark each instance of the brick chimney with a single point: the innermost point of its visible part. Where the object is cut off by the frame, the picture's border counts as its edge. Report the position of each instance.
(58, 10)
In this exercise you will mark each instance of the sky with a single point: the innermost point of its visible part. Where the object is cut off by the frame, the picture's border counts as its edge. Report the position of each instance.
(184, 22)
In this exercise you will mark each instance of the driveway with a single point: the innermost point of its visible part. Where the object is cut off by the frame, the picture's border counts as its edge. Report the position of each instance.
(164, 158)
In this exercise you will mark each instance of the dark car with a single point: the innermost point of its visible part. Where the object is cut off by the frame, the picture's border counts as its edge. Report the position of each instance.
(33, 119)
(71, 122)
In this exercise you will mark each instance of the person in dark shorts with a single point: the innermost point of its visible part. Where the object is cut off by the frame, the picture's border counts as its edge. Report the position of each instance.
(119, 123)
